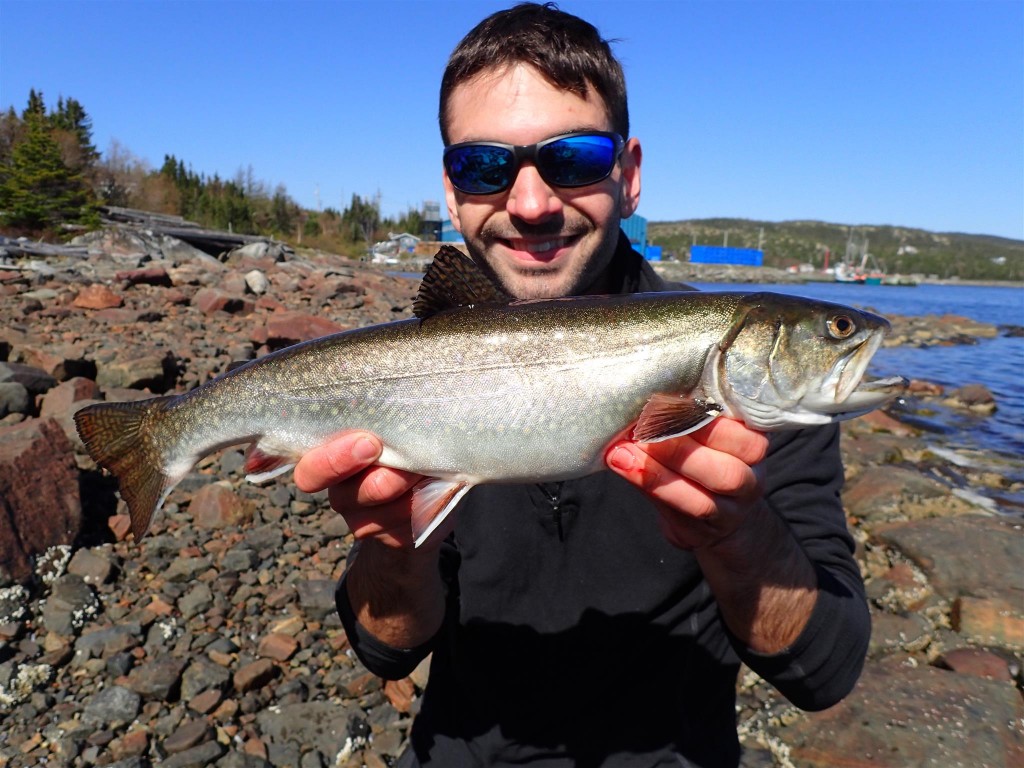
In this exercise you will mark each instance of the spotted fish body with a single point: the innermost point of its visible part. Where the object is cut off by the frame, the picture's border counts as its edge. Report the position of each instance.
(495, 392)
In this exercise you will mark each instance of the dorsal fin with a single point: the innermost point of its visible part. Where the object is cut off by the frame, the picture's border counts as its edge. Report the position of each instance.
(454, 280)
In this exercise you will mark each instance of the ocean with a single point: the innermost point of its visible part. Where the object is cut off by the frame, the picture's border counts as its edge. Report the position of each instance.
(996, 363)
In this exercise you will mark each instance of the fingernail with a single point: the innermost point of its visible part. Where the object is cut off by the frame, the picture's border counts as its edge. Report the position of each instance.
(621, 458)
(364, 450)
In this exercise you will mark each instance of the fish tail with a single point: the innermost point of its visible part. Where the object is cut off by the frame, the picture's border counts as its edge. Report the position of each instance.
(122, 438)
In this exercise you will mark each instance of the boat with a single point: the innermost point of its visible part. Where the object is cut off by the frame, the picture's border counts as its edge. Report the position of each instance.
(858, 266)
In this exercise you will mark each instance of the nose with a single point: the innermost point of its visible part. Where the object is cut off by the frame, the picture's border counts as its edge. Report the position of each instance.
(530, 198)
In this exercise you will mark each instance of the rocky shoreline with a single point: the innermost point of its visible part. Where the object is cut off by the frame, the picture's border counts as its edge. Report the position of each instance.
(215, 641)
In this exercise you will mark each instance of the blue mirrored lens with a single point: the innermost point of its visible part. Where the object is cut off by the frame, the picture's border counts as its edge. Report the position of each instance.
(481, 169)
(569, 161)
(576, 161)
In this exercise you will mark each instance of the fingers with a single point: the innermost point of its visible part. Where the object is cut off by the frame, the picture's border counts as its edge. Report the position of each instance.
(337, 460)
(374, 500)
(704, 483)
(719, 458)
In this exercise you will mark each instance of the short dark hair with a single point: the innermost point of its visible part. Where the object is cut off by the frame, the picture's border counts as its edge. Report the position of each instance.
(567, 50)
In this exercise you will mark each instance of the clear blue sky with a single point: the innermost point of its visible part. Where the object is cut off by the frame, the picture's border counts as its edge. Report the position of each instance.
(849, 111)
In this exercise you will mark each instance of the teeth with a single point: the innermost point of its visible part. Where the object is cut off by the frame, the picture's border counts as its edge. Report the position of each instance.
(532, 247)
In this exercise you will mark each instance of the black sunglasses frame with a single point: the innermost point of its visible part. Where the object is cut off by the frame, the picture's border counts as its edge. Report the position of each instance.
(530, 152)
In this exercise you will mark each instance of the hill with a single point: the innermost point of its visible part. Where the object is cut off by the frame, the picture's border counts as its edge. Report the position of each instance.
(896, 249)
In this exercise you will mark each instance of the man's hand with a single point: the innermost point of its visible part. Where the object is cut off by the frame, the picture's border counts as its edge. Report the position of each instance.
(395, 590)
(375, 501)
(705, 483)
(709, 488)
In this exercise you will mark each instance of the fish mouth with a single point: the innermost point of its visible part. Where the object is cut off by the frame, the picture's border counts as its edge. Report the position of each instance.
(845, 391)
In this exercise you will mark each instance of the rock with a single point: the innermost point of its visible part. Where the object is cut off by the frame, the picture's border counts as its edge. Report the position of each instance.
(257, 282)
(977, 662)
(990, 621)
(316, 597)
(154, 372)
(145, 276)
(14, 398)
(112, 707)
(947, 551)
(216, 506)
(70, 604)
(285, 328)
(66, 397)
(187, 735)
(890, 633)
(202, 677)
(196, 601)
(159, 679)
(974, 397)
(401, 694)
(903, 714)
(40, 506)
(278, 646)
(210, 300)
(97, 297)
(320, 725)
(255, 675)
(200, 756)
(897, 492)
(92, 565)
(35, 380)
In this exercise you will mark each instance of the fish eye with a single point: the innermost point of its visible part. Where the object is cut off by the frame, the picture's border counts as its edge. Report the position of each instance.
(841, 326)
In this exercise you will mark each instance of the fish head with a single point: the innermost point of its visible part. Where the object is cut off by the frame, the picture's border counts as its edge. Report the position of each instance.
(790, 362)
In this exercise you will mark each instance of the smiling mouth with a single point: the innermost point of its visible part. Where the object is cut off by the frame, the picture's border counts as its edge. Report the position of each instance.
(541, 248)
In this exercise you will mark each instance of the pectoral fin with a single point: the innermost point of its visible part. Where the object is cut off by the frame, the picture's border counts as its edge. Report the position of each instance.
(667, 416)
(432, 500)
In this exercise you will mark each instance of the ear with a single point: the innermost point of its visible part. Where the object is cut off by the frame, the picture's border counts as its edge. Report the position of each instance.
(629, 161)
(450, 198)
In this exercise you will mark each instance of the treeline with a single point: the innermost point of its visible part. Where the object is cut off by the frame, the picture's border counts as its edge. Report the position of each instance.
(894, 249)
(51, 176)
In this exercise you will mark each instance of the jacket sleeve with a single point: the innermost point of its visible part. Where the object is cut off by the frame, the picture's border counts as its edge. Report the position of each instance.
(381, 659)
(805, 475)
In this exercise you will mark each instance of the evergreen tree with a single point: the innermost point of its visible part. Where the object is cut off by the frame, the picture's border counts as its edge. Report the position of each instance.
(38, 191)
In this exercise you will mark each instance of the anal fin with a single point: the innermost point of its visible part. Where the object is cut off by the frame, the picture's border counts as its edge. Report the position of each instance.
(666, 416)
(432, 501)
(261, 465)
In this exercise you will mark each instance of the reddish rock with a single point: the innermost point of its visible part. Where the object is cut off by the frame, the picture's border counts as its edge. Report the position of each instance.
(61, 362)
(132, 744)
(205, 702)
(210, 300)
(284, 328)
(62, 399)
(255, 675)
(880, 421)
(278, 646)
(990, 621)
(120, 526)
(977, 662)
(400, 693)
(904, 714)
(145, 276)
(924, 388)
(218, 506)
(40, 506)
(97, 296)
(187, 735)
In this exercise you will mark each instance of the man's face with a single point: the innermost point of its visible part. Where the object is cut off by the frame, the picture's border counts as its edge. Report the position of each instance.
(539, 240)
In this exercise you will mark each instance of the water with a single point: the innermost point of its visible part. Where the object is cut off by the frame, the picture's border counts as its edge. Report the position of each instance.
(997, 363)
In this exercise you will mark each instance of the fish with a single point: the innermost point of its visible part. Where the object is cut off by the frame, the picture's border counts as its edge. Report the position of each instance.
(477, 387)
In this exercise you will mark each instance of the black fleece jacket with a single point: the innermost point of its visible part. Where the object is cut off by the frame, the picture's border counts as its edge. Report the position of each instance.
(576, 635)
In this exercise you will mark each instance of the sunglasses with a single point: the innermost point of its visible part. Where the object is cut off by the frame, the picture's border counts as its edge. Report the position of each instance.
(570, 160)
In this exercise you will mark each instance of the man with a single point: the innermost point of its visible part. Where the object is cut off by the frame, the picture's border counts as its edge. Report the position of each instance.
(598, 621)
